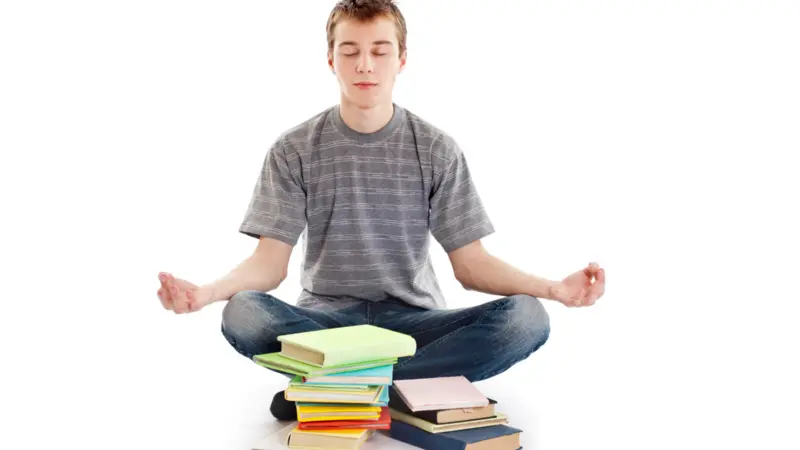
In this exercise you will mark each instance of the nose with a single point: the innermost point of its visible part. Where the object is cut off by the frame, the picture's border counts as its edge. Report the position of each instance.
(365, 63)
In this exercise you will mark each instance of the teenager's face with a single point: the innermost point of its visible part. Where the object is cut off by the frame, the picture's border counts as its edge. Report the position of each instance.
(365, 58)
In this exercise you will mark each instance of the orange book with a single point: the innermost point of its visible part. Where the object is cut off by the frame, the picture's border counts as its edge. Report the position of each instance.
(383, 423)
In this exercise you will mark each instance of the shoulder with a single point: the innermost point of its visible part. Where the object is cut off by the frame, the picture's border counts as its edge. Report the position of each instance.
(442, 145)
(299, 138)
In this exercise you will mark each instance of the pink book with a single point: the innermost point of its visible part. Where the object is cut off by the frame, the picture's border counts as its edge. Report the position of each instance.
(431, 394)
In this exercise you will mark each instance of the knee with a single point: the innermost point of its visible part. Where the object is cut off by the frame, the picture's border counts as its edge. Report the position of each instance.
(245, 315)
(526, 324)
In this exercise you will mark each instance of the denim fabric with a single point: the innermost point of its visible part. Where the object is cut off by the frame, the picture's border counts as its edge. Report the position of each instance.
(477, 342)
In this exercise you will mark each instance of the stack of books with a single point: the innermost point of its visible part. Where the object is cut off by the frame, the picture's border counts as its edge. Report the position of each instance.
(448, 413)
(341, 383)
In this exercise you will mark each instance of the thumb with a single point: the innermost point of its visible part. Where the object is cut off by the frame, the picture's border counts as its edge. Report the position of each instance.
(185, 284)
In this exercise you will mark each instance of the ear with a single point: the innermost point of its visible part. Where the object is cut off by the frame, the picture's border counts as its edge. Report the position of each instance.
(403, 61)
(330, 62)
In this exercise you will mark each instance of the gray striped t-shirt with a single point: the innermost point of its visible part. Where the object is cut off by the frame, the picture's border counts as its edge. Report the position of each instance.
(365, 205)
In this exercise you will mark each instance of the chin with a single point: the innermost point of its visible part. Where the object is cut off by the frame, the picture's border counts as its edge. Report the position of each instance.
(364, 100)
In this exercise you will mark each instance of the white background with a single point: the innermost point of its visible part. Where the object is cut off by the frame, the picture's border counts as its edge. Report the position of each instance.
(657, 138)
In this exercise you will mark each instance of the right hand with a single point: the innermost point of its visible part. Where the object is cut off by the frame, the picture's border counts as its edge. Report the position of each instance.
(181, 296)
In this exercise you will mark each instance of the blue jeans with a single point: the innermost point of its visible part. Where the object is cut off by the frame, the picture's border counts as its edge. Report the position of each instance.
(477, 342)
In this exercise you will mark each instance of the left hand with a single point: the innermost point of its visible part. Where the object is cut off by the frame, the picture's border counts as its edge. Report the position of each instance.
(582, 288)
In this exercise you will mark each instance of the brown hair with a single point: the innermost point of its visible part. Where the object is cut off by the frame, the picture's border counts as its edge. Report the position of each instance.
(365, 11)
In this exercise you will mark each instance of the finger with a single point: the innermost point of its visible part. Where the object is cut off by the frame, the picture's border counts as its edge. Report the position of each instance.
(181, 302)
(591, 270)
(166, 282)
(172, 289)
(164, 298)
(178, 299)
(191, 301)
(599, 287)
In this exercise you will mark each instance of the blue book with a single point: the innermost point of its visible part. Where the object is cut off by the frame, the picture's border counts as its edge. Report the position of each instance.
(371, 376)
(503, 437)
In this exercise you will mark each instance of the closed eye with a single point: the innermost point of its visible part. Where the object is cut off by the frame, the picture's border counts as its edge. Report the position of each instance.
(355, 54)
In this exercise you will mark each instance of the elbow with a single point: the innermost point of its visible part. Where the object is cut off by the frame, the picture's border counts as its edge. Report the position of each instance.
(277, 279)
(471, 272)
(464, 277)
(469, 265)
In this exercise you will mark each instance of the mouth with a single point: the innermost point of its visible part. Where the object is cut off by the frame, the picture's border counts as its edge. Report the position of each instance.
(365, 85)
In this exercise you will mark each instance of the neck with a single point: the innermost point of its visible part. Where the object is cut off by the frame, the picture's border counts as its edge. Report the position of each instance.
(366, 120)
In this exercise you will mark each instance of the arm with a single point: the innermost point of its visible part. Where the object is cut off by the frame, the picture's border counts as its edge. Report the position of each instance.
(276, 216)
(459, 222)
(478, 270)
(264, 271)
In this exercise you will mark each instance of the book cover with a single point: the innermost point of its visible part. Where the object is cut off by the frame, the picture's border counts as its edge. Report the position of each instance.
(371, 376)
(497, 437)
(333, 439)
(297, 383)
(346, 345)
(276, 438)
(428, 394)
(373, 395)
(383, 422)
(280, 363)
(498, 419)
(383, 400)
(442, 416)
(330, 412)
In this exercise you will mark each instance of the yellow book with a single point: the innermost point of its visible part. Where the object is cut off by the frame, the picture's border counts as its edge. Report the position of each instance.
(337, 412)
(313, 418)
(349, 439)
(338, 408)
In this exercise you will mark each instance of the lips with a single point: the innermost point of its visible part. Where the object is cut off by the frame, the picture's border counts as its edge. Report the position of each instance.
(364, 84)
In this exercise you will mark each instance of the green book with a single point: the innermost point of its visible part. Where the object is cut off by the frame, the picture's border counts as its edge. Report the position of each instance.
(346, 345)
(283, 364)
(298, 382)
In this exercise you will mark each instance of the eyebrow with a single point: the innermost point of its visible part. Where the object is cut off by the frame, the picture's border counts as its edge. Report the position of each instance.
(382, 42)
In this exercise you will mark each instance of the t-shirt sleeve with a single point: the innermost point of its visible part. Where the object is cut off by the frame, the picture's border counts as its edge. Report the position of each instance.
(457, 215)
(277, 208)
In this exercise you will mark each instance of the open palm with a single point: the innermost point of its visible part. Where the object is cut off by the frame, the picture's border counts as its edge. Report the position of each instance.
(582, 288)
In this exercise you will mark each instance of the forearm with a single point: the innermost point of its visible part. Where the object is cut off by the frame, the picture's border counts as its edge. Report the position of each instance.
(491, 275)
(257, 272)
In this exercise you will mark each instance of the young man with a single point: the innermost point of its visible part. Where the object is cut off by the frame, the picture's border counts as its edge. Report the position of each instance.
(365, 183)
